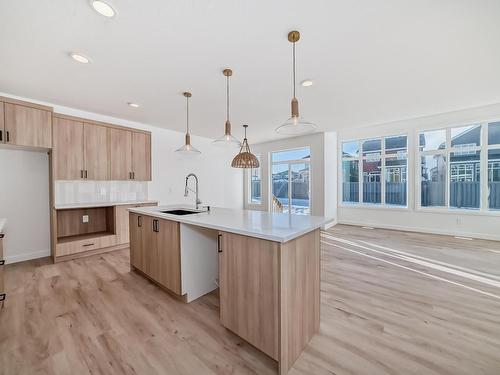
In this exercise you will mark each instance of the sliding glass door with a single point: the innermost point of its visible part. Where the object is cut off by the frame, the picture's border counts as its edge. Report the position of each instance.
(290, 182)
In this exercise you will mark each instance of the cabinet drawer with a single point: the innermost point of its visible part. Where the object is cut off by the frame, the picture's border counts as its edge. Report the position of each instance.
(78, 246)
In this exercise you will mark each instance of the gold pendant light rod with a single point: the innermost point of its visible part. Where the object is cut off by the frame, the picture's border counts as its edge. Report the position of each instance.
(187, 148)
(295, 125)
(227, 139)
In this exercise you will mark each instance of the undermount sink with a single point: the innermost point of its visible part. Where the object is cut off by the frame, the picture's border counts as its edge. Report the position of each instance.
(180, 212)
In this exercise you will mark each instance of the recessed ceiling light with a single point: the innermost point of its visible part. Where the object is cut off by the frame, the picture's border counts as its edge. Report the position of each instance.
(79, 57)
(133, 105)
(306, 83)
(103, 8)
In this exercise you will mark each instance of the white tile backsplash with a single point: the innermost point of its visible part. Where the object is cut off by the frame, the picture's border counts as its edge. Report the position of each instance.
(71, 192)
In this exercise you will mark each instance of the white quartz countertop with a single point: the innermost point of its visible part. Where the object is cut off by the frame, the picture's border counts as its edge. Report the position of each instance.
(99, 204)
(2, 224)
(261, 224)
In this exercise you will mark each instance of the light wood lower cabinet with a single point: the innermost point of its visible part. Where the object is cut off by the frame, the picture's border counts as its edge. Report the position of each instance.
(107, 228)
(155, 250)
(2, 265)
(270, 292)
(249, 300)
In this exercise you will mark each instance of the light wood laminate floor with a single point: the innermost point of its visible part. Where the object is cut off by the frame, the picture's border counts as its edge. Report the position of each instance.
(392, 303)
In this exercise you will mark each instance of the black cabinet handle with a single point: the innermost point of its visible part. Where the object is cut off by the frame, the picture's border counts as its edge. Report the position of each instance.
(139, 221)
(2, 235)
(81, 173)
(155, 225)
(8, 136)
(1, 135)
(86, 175)
(2, 262)
(219, 249)
(2, 297)
(88, 244)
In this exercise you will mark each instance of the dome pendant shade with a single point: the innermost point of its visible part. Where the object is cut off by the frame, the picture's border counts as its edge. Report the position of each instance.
(227, 140)
(245, 158)
(295, 125)
(187, 149)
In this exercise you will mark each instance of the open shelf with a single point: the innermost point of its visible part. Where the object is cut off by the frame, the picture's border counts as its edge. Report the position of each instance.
(100, 222)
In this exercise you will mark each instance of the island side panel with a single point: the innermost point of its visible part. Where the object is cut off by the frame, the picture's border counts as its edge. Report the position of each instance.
(299, 296)
(249, 290)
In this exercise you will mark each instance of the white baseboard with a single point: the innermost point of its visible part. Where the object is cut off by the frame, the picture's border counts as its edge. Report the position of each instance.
(329, 225)
(27, 256)
(403, 228)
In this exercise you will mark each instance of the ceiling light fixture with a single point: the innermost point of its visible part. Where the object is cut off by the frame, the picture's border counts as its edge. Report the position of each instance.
(187, 149)
(306, 83)
(79, 57)
(295, 125)
(103, 8)
(133, 105)
(227, 139)
(245, 158)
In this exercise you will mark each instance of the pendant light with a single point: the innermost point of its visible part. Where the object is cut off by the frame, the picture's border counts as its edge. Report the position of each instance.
(295, 125)
(187, 149)
(245, 158)
(227, 139)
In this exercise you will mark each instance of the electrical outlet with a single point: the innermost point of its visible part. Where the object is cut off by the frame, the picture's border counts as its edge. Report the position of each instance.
(85, 218)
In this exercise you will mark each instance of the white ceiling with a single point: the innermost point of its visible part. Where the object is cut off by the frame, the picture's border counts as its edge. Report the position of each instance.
(371, 61)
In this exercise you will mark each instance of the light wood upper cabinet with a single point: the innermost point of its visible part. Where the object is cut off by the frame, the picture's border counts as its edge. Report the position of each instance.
(95, 150)
(120, 154)
(26, 126)
(67, 153)
(141, 156)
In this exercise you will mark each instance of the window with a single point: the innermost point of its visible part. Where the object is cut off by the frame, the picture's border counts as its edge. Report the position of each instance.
(494, 166)
(432, 140)
(290, 181)
(383, 166)
(453, 175)
(255, 196)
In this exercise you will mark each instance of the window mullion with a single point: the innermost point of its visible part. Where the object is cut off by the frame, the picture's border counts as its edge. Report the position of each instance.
(382, 171)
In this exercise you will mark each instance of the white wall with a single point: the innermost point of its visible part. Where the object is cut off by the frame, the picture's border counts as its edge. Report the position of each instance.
(471, 224)
(220, 185)
(323, 148)
(24, 202)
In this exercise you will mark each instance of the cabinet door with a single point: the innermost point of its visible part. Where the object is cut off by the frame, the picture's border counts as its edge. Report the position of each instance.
(67, 152)
(169, 254)
(95, 151)
(137, 248)
(120, 154)
(249, 281)
(151, 266)
(25, 126)
(2, 290)
(2, 130)
(141, 156)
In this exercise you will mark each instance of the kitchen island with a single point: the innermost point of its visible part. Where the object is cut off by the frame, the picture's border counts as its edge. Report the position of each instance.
(266, 265)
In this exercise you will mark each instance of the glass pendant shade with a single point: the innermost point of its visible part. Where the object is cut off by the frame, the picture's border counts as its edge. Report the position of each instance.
(227, 140)
(295, 125)
(187, 148)
(245, 158)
